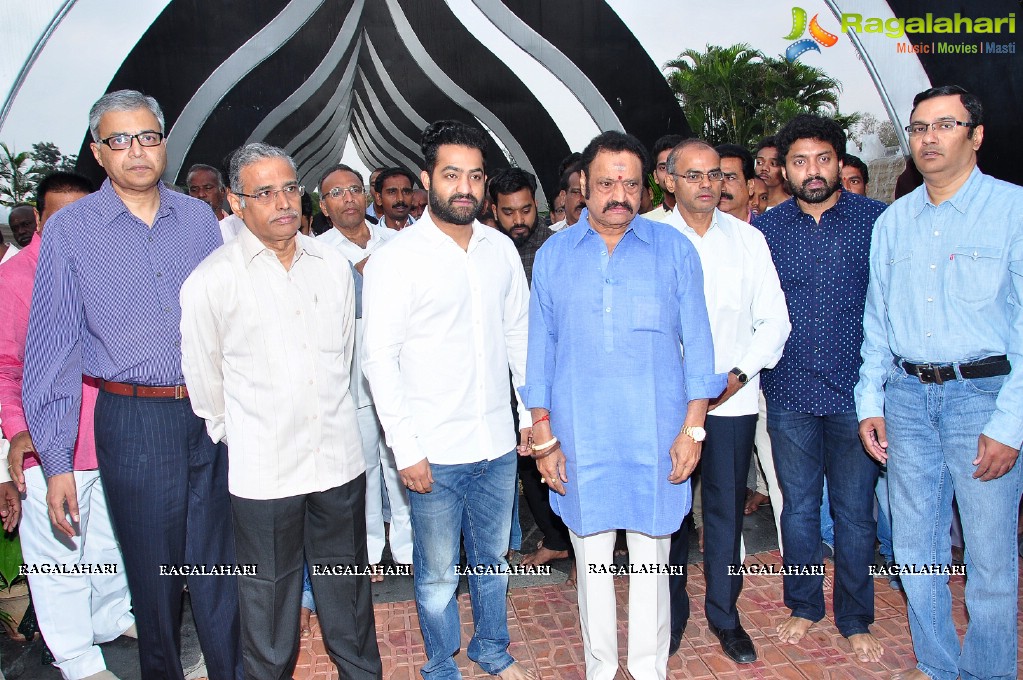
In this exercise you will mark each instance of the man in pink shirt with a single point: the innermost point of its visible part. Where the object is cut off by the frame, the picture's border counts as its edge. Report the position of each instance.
(75, 612)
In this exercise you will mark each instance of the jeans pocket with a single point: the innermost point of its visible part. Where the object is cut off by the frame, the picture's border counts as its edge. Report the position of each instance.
(986, 386)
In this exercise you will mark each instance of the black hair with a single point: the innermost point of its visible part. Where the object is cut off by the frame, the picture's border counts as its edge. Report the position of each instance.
(766, 143)
(810, 126)
(510, 180)
(307, 205)
(854, 162)
(736, 151)
(450, 132)
(664, 143)
(61, 182)
(970, 101)
(340, 167)
(387, 174)
(569, 160)
(614, 142)
(566, 174)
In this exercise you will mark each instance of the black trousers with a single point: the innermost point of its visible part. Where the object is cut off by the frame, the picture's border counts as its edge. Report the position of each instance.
(537, 495)
(166, 487)
(329, 529)
(724, 467)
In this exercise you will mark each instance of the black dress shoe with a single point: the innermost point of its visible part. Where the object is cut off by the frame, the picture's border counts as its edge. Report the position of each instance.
(736, 643)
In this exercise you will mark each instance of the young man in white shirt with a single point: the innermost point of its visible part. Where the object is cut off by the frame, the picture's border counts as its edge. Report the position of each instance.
(343, 201)
(446, 314)
(750, 324)
(267, 330)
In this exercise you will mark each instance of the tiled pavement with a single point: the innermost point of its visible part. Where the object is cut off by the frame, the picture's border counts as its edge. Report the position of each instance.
(545, 635)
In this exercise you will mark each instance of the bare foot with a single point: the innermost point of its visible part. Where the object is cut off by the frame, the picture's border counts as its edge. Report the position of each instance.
(866, 647)
(793, 629)
(754, 501)
(517, 672)
(375, 574)
(304, 629)
(911, 674)
(570, 581)
(543, 555)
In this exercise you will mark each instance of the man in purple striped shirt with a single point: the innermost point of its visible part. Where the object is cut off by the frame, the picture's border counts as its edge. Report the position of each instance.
(105, 305)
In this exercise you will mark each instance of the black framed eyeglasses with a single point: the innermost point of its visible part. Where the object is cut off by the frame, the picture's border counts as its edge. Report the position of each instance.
(267, 195)
(123, 141)
(943, 125)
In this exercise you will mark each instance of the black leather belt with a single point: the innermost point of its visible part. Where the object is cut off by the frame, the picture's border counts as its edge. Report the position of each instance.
(941, 373)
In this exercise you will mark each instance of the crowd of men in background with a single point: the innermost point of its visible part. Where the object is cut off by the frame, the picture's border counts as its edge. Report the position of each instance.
(240, 395)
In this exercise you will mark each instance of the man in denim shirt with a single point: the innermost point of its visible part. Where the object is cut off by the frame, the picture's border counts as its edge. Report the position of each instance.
(936, 398)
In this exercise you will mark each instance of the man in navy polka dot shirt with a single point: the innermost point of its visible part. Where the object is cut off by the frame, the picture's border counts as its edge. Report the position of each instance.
(820, 242)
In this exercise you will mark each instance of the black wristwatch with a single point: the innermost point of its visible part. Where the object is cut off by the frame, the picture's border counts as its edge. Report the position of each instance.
(742, 377)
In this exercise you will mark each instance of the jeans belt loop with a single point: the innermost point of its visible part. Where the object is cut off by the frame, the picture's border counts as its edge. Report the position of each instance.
(936, 370)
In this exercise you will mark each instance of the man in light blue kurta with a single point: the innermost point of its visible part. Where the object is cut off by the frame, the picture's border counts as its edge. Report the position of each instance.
(615, 299)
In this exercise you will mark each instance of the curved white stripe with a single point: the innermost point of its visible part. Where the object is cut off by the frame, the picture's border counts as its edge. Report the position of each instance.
(396, 96)
(320, 125)
(542, 68)
(254, 52)
(331, 153)
(436, 74)
(394, 156)
(375, 105)
(317, 78)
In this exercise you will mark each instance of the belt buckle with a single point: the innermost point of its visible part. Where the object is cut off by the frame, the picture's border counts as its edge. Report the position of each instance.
(179, 391)
(936, 370)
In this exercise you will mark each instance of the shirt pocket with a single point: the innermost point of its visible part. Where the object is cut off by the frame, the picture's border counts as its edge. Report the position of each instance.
(976, 273)
(899, 268)
(647, 310)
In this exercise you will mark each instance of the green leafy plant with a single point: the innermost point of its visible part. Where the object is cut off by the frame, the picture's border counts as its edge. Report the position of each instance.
(10, 560)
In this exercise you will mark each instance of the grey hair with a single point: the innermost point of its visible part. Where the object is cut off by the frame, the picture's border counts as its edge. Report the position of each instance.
(680, 147)
(122, 100)
(251, 153)
(209, 168)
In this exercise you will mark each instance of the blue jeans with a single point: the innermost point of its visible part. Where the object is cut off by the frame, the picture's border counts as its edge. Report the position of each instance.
(932, 442)
(471, 502)
(884, 516)
(827, 523)
(806, 448)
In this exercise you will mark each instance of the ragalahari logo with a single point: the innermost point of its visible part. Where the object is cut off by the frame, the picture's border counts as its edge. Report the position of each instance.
(817, 35)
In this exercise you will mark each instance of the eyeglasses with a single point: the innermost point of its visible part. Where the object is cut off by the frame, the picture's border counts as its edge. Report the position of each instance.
(694, 176)
(123, 141)
(940, 126)
(355, 190)
(267, 195)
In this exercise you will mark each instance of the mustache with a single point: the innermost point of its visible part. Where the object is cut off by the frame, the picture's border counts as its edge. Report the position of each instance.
(815, 178)
(610, 205)
(399, 204)
(463, 197)
(285, 213)
(726, 195)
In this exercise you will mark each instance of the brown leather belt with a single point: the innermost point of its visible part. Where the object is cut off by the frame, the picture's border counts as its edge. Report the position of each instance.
(130, 390)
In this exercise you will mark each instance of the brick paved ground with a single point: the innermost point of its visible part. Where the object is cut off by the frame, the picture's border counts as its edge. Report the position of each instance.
(545, 635)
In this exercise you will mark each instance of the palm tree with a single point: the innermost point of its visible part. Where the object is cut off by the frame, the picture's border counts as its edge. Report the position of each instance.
(737, 94)
(18, 176)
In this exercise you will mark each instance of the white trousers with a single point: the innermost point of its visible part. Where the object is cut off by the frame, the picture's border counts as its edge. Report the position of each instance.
(649, 606)
(381, 469)
(75, 612)
(766, 458)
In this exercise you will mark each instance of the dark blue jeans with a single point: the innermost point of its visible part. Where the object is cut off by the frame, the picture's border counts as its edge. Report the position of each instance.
(806, 449)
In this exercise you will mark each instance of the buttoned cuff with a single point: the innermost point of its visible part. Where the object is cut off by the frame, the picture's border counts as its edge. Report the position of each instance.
(706, 386)
(1005, 429)
(869, 407)
(536, 396)
(407, 452)
(56, 462)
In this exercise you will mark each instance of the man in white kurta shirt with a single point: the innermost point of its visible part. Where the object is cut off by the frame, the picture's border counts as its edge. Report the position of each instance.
(750, 324)
(446, 311)
(267, 330)
(343, 201)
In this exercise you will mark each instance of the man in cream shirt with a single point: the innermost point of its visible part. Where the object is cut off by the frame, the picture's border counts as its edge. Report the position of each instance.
(267, 330)
(750, 324)
(343, 202)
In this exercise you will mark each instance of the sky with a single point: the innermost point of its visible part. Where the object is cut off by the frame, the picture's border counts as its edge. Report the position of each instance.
(84, 52)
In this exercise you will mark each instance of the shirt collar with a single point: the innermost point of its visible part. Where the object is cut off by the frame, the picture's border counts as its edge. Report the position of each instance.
(252, 247)
(718, 219)
(432, 233)
(640, 226)
(960, 201)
